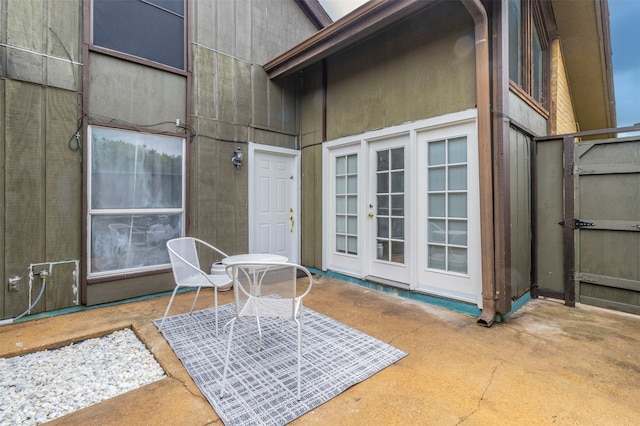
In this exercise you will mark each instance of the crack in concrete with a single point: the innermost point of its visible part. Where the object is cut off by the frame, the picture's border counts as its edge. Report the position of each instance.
(484, 392)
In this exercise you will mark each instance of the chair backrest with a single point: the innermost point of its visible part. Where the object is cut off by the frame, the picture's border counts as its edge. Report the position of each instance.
(184, 258)
(269, 289)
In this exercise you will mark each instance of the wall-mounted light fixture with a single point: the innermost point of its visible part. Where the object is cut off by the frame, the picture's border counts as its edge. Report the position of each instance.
(238, 155)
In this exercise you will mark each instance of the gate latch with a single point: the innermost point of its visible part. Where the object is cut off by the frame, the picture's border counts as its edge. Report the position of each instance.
(578, 224)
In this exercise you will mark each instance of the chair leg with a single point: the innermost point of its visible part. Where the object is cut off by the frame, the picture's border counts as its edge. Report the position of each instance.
(195, 299)
(299, 354)
(166, 312)
(226, 358)
(215, 305)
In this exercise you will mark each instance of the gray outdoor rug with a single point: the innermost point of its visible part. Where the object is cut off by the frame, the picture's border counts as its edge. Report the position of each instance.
(261, 385)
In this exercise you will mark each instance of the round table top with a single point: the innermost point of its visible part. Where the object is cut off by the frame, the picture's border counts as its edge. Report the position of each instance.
(253, 257)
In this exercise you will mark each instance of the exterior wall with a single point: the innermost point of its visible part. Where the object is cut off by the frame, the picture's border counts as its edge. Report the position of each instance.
(311, 107)
(41, 166)
(224, 96)
(563, 119)
(419, 68)
(233, 102)
(387, 80)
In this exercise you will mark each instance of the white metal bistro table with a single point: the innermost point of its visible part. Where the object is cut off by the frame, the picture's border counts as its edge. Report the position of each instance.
(254, 257)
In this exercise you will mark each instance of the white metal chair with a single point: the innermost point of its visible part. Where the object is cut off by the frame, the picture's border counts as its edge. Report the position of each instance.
(184, 254)
(268, 290)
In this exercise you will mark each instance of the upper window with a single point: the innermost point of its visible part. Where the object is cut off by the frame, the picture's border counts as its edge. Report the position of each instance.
(148, 29)
(528, 45)
(136, 190)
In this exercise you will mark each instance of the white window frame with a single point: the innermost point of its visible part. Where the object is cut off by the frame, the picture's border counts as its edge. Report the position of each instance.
(97, 212)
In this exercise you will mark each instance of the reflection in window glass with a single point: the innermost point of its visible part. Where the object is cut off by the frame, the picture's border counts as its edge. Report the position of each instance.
(149, 29)
(136, 183)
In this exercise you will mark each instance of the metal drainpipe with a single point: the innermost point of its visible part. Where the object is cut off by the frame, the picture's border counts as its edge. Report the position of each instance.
(479, 15)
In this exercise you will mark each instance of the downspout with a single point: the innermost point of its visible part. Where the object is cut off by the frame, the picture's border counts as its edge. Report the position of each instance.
(479, 15)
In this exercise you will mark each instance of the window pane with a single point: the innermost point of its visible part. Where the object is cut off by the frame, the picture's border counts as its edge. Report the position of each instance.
(352, 225)
(383, 227)
(457, 178)
(383, 183)
(437, 231)
(436, 257)
(536, 58)
(397, 251)
(457, 232)
(458, 205)
(436, 153)
(341, 185)
(352, 166)
(397, 205)
(457, 150)
(383, 205)
(383, 160)
(352, 184)
(397, 181)
(382, 250)
(142, 29)
(341, 226)
(397, 228)
(341, 165)
(340, 204)
(341, 245)
(397, 158)
(458, 260)
(126, 241)
(437, 179)
(437, 205)
(515, 41)
(132, 170)
(352, 245)
(352, 204)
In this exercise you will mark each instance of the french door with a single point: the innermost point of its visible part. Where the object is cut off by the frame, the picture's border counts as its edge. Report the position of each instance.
(449, 262)
(387, 212)
(402, 207)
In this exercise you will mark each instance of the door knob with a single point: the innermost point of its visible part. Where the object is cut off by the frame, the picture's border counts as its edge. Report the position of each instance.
(370, 215)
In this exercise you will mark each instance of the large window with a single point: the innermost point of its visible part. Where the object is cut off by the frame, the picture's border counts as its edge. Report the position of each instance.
(528, 47)
(148, 29)
(136, 199)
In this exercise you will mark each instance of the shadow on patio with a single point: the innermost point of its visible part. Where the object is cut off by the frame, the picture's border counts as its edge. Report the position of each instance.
(546, 364)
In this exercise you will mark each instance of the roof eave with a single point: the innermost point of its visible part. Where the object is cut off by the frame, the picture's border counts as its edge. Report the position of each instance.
(348, 30)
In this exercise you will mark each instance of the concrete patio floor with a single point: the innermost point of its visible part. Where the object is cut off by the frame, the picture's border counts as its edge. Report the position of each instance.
(546, 364)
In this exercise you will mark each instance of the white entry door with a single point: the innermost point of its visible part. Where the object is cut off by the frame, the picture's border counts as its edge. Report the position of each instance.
(274, 219)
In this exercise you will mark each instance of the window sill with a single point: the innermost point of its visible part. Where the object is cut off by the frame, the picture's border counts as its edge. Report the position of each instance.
(526, 98)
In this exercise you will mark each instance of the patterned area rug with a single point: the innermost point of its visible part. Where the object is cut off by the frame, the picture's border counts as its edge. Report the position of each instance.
(261, 385)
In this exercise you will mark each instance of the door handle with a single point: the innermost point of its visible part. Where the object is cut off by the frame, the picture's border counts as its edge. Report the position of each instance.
(370, 215)
(291, 219)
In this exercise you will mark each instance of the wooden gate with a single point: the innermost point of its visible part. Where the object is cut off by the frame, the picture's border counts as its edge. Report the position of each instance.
(587, 221)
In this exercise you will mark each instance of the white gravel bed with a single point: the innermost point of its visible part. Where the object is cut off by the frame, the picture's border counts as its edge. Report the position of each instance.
(41, 386)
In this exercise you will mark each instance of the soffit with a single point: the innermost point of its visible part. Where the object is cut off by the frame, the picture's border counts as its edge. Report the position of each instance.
(366, 20)
(583, 30)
